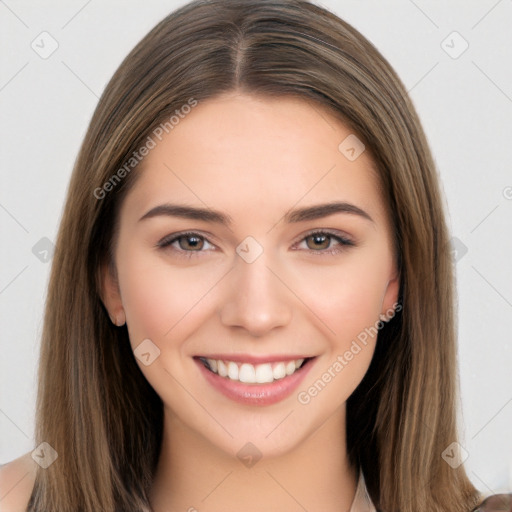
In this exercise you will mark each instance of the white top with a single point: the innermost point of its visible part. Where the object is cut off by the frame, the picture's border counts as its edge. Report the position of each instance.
(362, 501)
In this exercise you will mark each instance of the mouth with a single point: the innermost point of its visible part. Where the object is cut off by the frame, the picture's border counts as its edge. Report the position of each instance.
(248, 373)
(254, 383)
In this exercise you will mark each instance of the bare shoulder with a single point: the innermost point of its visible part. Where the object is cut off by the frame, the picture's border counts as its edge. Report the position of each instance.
(496, 503)
(16, 483)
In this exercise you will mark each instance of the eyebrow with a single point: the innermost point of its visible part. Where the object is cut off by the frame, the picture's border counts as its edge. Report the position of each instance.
(292, 216)
(188, 212)
(324, 210)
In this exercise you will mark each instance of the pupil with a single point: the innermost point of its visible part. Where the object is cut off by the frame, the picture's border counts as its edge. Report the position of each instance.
(191, 242)
(319, 242)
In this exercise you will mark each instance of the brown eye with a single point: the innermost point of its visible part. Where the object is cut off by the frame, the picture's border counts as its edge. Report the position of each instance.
(191, 242)
(318, 241)
(185, 244)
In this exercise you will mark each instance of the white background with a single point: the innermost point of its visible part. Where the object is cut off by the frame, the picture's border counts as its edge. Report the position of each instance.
(465, 104)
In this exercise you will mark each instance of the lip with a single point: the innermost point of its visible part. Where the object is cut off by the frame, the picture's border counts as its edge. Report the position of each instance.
(254, 359)
(255, 394)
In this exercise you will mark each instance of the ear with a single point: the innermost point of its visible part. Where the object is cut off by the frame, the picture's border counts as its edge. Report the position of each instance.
(111, 295)
(390, 299)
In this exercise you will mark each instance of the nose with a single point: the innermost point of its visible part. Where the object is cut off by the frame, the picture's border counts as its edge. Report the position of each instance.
(255, 299)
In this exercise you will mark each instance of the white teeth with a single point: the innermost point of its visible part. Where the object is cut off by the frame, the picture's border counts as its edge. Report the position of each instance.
(264, 373)
(232, 371)
(290, 367)
(221, 369)
(279, 371)
(254, 374)
(247, 373)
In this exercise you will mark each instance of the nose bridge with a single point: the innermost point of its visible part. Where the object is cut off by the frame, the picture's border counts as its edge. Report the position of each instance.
(256, 300)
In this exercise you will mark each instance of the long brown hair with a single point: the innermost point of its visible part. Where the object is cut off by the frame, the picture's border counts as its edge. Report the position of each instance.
(94, 406)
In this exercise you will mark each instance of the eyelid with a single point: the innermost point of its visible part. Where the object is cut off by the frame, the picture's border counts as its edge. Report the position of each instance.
(330, 231)
(344, 241)
(167, 241)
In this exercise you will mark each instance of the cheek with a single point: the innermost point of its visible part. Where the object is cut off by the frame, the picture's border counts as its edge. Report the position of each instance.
(161, 300)
(346, 297)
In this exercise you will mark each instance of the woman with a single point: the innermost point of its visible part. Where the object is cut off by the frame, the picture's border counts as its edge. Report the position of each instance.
(251, 300)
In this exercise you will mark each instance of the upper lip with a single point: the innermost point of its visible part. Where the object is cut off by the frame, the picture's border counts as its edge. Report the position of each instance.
(254, 359)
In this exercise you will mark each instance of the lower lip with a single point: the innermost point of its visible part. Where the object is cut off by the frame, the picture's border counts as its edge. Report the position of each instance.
(256, 394)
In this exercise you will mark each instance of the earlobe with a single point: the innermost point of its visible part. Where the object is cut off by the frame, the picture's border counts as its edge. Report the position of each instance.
(111, 295)
(390, 300)
(120, 319)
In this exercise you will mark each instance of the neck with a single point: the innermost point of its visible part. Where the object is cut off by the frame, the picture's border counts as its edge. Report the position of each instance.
(194, 475)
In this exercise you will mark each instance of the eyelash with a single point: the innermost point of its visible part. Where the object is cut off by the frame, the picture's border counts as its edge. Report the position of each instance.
(342, 245)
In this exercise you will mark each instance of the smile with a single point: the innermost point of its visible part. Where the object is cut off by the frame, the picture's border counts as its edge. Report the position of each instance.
(253, 373)
(259, 382)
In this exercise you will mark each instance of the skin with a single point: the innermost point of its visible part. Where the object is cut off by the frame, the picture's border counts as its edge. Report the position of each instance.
(253, 159)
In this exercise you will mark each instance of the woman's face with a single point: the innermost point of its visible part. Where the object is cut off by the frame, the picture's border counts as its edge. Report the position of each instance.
(255, 237)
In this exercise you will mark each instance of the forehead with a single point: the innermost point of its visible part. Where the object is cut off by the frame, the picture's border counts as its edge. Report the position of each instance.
(240, 152)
